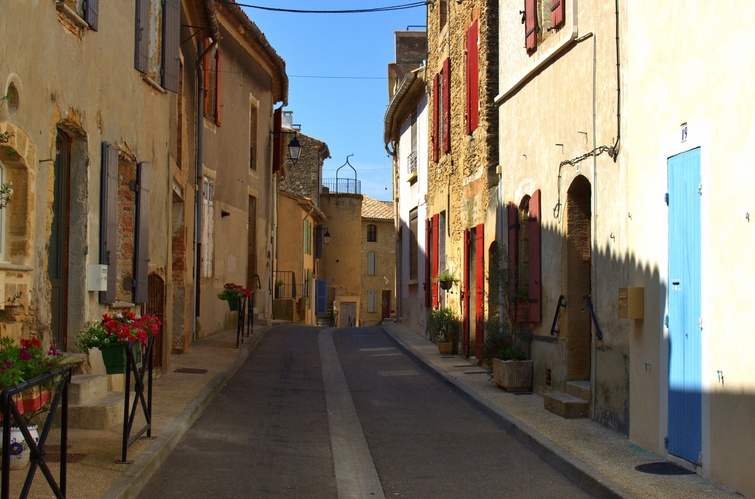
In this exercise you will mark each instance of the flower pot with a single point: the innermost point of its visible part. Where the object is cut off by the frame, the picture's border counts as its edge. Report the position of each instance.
(513, 375)
(233, 304)
(35, 398)
(114, 357)
(445, 285)
(19, 402)
(19, 448)
(445, 348)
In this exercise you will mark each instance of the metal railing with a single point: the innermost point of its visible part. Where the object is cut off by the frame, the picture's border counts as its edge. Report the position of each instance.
(129, 411)
(411, 164)
(284, 284)
(598, 332)
(342, 185)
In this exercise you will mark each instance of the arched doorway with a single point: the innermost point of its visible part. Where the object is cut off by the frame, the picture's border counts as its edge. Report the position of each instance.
(578, 279)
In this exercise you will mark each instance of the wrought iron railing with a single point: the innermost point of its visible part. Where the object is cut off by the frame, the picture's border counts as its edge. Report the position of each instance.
(411, 164)
(342, 185)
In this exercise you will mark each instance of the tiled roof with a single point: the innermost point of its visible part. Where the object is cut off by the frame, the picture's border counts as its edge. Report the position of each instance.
(374, 209)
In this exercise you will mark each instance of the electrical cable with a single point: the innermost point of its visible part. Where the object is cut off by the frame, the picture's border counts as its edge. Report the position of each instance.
(345, 11)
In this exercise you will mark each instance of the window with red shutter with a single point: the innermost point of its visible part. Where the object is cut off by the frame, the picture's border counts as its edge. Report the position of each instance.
(530, 25)
(558, 13)
(473, 78)
(436, 118)
(435, 260)
(479, 288)
(428, 259)
(534, 265)
(447, 106)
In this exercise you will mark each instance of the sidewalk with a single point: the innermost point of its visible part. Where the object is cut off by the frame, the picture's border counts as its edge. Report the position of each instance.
(179, 398)
(600, 460)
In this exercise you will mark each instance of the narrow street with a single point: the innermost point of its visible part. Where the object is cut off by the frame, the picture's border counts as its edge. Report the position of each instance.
(344, 413)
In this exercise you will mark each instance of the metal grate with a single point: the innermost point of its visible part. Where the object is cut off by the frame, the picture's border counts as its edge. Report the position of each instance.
(190, 370)
(663, 468)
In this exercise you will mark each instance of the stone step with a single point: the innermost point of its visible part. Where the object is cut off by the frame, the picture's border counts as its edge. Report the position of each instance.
(565, 405)
(85, 388)
(104, 413)
(580, 389)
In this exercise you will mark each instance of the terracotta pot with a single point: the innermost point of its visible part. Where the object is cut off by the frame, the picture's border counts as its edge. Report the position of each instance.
(445, 348)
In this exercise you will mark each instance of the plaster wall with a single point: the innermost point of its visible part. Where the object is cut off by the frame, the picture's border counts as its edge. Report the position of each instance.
(385, 269)
(556, 105)
(59, 74)
(702, 80)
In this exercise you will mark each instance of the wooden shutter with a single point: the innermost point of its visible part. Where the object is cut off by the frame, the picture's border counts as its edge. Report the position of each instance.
(141, 243)
(321, 297)
(530, 25)
(171, 43)
(217, 86)
(473, 78)
(447, 105)
(436, 118)
(319, 243)
(91, 11)
(428, 259)
(371, 300)
(513, 223)
(277, 139)
(435, 261)
(479, 288)
(206, 78)
(465, 293)
(558, 9)
(109, 219)
(534, 267)
(141, 56)
(371, 263)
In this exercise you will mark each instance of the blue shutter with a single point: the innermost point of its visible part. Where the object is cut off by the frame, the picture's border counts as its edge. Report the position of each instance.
(321, 297)
(109, 218)
(141, 244)
(91, 9)
(171, 41)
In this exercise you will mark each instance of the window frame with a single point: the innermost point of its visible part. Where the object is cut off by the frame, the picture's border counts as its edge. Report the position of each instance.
(372, 232)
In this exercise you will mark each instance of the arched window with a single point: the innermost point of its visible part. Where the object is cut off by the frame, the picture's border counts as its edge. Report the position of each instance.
(372, 233)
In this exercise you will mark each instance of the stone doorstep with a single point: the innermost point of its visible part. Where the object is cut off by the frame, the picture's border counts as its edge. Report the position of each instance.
(95, 402)
(565, 405)
(580, 389)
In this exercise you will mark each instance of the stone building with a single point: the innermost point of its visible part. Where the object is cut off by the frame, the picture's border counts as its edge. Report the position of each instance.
(378, 270)
(462, 75)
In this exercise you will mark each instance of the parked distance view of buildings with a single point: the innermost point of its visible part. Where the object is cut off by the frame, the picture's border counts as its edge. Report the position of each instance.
(596, 151)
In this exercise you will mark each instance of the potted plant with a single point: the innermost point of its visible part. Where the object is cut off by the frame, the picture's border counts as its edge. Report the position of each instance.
(112, 334)
(445, 279)
(505, 358)
(23, 362)
(444, 329)
(232, 293)
(279, 288)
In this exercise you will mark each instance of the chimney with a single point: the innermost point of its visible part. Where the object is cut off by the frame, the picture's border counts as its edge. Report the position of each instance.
(288, 119)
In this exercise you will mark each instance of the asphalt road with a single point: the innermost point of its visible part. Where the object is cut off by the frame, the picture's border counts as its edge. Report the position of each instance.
(344, 413)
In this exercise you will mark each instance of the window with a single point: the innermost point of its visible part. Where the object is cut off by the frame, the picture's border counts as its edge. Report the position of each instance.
(371, 263)
(473, 78)
(253, 137)
(443, 14)
(442, 111)
(524, 252)
(208, 203)
(158, 24)
(413, 245)
(371, 233)
(212, 85)
(540, 18)
(82, 13)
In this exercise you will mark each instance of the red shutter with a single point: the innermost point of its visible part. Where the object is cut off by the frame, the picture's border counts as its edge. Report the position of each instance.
(447, 105)
(479, 288)
(473, 78)
(436, 117)
(534, 266)
(217, 87)
(513, 222)
(277, 124)
(465, 294)
(530, 25)
(435, 260)
(557, 13)
(428, 271)
(206, 79)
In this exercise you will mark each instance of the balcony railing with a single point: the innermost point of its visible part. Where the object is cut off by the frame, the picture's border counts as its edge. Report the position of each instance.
(411, 164)
(342, 185)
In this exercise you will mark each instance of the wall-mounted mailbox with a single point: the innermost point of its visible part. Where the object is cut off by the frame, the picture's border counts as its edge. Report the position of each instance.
(97, 278)
(632, 303)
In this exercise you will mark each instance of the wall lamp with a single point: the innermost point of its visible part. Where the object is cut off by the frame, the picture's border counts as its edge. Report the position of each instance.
(294, 147)
(326, 236)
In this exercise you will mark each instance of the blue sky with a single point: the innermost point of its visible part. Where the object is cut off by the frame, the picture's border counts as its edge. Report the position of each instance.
(337, 66)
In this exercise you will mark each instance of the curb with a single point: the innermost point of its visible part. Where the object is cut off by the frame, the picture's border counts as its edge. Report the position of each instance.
(588, 479)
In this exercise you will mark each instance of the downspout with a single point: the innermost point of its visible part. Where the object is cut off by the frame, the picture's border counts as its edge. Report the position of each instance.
(200, 175)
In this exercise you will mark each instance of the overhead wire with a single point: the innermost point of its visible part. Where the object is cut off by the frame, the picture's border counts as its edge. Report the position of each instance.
(343, 11)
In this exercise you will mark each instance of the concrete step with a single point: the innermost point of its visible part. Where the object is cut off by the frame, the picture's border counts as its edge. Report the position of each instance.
(580, 389)
(565, 405)
(85, 388)
(104, 413)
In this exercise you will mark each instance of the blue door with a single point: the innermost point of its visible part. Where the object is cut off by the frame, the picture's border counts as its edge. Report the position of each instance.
(684, 305)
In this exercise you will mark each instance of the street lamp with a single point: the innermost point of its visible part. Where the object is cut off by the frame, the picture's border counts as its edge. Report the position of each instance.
(326, 236)
(294, 148)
